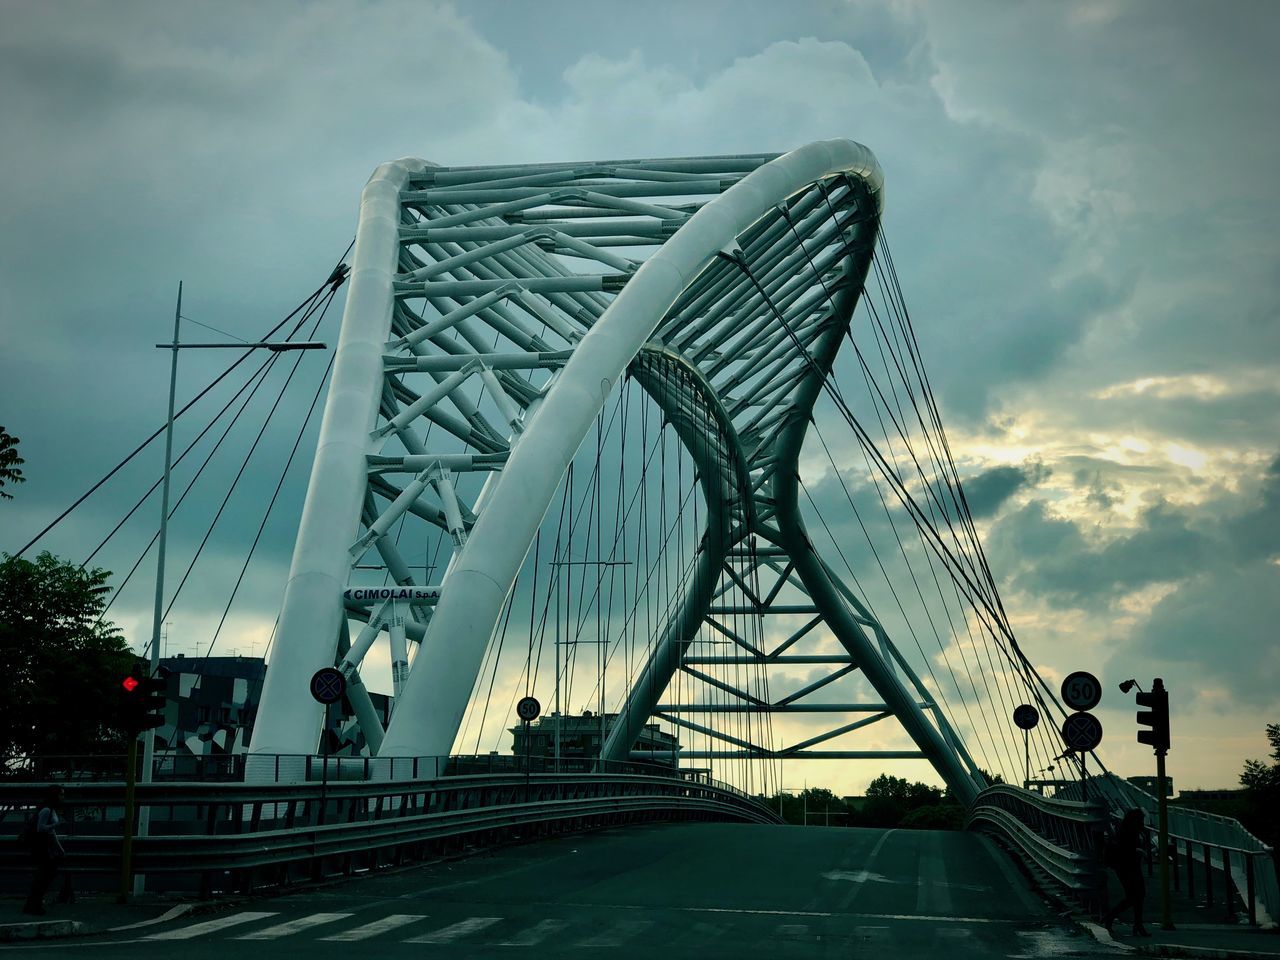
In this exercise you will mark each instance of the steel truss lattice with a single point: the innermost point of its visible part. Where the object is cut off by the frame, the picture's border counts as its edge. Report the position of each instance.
(491, 312)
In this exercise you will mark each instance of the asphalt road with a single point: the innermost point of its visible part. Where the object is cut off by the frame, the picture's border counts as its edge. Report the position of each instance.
(704, 890)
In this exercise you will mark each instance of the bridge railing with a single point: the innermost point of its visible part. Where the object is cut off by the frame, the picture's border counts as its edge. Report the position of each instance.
(238, 836)
(1060, 840)
(1248, 871)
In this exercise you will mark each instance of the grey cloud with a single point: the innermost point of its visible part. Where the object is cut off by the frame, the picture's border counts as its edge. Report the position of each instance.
(1219, 627)
(987, 492)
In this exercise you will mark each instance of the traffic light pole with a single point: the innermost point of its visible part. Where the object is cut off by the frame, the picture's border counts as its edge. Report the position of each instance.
(126, 846)
(1162, 785)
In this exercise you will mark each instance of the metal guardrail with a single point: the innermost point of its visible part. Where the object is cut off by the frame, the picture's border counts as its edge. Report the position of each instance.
(219, 836)
(1250, 875)
(1059, 839)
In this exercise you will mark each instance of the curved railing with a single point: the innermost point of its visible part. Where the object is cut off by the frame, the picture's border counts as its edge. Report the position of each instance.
(239, 836)
(1059, 839)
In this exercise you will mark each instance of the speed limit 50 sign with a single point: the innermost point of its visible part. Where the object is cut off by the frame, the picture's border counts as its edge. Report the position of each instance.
(1081, 691)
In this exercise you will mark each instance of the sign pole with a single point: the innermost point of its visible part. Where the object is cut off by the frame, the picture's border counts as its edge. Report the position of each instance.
(1162, 785)
(528, 745)
(1027, 759)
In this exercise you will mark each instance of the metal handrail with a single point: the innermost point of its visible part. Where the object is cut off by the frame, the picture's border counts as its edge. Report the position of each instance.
(270, 833)
(1060, 837)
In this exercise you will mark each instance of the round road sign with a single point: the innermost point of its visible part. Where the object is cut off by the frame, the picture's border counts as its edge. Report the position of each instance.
(1081, 691)
(528, 709)
(328, 685)
(1026, 716)
(1082, 731)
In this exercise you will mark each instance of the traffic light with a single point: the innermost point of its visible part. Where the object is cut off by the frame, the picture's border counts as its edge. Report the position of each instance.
(144, 698)
(1156, 717)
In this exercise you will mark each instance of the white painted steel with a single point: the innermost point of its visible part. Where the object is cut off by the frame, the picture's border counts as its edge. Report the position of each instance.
(491, 281)
(433, 702)
(288, 720)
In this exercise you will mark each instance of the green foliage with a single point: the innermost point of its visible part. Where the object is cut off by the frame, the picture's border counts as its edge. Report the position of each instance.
(1260, 810)
(891, 799)
(890, 802)
(64, 662)
(9, 462)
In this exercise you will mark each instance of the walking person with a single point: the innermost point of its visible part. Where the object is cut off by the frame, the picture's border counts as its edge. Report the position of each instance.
(1124, 856)
(46, 850)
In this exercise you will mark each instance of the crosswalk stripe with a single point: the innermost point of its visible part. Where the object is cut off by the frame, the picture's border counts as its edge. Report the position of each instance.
(210, 926)
(377, 927)
(615, 935)
(531, 936)
(292, 926)
(454, 931)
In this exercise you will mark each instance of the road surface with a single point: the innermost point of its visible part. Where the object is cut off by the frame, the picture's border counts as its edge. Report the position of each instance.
(665, 891)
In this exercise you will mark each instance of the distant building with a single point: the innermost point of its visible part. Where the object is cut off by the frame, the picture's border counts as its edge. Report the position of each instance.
(580, 738)
(212, 703)
(1195, 796)
(1151, 784)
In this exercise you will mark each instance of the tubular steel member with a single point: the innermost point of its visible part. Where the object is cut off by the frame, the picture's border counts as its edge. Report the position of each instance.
(742, 244)
(434, 700)
(288, 720)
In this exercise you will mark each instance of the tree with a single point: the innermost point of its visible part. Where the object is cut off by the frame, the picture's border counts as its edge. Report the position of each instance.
(9, 462)
(64, 661)
(891, 800)
(1261, 782)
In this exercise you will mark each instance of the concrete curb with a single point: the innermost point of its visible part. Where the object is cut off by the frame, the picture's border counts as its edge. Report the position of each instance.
(40, 930)
(1214, 953)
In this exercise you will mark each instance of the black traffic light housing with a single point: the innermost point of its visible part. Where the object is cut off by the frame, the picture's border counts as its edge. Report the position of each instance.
(144, 697)
(1156, 717)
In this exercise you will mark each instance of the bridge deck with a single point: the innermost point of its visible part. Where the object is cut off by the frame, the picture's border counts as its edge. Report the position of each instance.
(705, 890)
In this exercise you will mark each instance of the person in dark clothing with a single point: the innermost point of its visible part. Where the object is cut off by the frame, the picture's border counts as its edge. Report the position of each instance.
(1124, 856)
(46, 850)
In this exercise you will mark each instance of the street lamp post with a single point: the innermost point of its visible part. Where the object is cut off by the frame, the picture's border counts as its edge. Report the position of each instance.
(148, 746)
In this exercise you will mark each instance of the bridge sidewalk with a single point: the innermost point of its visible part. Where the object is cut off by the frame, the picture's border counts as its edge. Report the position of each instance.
(1201, 929)
(92, 913)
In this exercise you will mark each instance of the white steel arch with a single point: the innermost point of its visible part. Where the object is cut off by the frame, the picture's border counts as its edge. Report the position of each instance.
(747, 294)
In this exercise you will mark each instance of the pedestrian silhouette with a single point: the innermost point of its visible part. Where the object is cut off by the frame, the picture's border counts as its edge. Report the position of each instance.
(1124, 853)
(46, 849)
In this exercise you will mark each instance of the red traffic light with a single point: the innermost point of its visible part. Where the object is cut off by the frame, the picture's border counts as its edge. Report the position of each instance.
(130, 684)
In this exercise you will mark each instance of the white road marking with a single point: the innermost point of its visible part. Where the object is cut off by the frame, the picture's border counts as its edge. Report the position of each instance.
(793, 931)
(173, 913)
(210, 926)
(759, 913)
(614, 936)
(454, 931)
(290, 927)
(531, 936)
(846, 901)
(932, 895)
(858, 876)
(377, 927)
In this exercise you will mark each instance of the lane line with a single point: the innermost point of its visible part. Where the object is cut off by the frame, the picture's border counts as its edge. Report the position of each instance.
(532, 936)
(211, 926)
(620, 931)
(454, 931)
(852, 894)
(290, 927)
(390, 922)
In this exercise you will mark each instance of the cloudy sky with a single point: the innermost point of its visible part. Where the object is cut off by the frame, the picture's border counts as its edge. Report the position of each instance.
(1081, 203)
